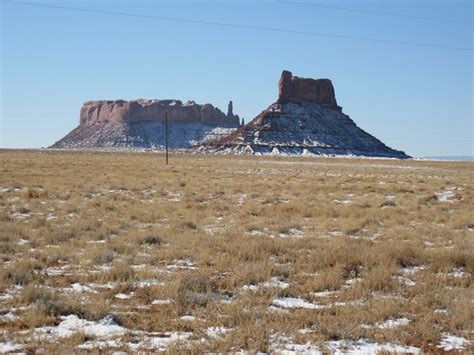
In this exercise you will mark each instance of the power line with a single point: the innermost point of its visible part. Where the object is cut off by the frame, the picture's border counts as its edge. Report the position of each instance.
(241, 26)
(303, 3)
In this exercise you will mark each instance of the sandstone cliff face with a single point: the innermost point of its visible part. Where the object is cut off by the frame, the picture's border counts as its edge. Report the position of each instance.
(120, 111)
(294, 89)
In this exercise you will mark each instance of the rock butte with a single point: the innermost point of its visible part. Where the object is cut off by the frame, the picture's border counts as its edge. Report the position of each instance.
(305, 120)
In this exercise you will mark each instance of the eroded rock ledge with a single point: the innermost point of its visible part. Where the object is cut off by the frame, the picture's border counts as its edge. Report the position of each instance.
(122, 111)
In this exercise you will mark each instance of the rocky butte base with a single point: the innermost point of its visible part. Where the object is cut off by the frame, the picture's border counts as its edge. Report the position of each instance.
(141, 124)
(305, 120)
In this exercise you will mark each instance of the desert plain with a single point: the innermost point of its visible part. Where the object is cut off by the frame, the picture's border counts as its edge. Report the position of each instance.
(116, 251)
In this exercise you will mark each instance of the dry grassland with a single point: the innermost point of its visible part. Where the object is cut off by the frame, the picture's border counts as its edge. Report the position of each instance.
(116, 251)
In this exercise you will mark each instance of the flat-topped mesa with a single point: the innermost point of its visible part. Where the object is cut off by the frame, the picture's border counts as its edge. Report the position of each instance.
(295, 89)
(121, 111)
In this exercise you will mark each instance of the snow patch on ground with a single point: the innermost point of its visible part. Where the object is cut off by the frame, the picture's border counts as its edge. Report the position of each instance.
(186, 264)
(326, 293)
(389, 323)
(410, 270)
(78, 288)
(212, 230)
(293, 302)
(22, 241)
(108, 285)
(452, 342)
(159, 342)
(285, 345)
(57, 271)
(292, 233)
(148, 283)
(344, 202)
(100, 344)
(104, 330)
(10, 293)
(174, 196)
(160, 302)
(71, 324)
(274, 282)
(21, 215)
(241, 199)
(406, 281)
(255, 232)
(364, 346)
(10, 347)
(459, 272)
(8, 317)
(448, 194)
(352, 282)
(216, 332)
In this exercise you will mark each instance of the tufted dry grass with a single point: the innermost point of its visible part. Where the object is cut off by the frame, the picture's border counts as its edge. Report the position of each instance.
(376, 235)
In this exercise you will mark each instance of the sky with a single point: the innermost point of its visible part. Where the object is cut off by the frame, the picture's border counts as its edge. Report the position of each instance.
(415, 98)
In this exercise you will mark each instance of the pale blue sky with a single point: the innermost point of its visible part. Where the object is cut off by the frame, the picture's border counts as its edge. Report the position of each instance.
(417, 99)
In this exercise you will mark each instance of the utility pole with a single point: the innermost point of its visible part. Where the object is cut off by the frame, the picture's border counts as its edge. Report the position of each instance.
(166, 135)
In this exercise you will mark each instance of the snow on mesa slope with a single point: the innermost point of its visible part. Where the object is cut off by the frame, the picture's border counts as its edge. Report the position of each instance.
(142, 134)
(303, 128)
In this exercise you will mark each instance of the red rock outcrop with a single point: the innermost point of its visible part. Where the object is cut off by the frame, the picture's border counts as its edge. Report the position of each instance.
(121, 111)
(295, 89)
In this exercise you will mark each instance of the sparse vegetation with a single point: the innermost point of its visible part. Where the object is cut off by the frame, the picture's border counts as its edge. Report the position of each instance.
(246, 253)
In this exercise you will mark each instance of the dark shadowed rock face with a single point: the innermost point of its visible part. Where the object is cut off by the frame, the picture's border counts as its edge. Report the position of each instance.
(305, 120)
(295, 89)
